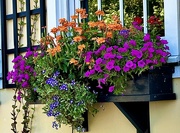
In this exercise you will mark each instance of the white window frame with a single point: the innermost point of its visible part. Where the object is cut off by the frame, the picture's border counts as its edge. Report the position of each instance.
(1, 83)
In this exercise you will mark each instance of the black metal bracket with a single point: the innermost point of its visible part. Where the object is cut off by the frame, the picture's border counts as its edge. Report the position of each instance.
(137, 113)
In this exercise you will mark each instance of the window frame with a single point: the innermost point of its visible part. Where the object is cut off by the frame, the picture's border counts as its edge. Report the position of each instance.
(14, 16)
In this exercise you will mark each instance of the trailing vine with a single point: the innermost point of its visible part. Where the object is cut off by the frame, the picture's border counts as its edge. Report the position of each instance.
(21, 95)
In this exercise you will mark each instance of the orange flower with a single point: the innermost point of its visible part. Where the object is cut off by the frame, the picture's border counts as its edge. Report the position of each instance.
(62, 28)
(92, 24)
(81, 47)
(78, 29)
(101, 25)
(109, 34)
(51, 51)
(100, 40)
(62, 20)
(84, 16)
(73, 61)
(54, 30)
(72, 24)
(57, 48)
(73, 17)
(58, 38)
(78, 38)
(99, 12)
(81, 11)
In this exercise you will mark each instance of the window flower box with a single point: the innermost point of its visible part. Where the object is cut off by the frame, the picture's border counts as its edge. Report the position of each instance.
(152, 85)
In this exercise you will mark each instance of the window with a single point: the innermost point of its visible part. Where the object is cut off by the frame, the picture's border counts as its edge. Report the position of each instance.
(21, 23)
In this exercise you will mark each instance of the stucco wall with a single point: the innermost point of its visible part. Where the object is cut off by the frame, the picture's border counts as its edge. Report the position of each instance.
(108, 120)
(164, 117)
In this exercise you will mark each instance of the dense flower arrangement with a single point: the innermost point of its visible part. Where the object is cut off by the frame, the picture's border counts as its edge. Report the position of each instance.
(77, 53)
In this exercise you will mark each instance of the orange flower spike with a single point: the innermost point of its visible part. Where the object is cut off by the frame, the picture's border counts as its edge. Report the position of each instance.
(101, 25)
(78, 29)
(109, 34)
(92, 24)
(81, 11)
(73, 61)
(62, 20)
(72, 24)
(74, 17)
(84, 16)
(62, 28)
(77, 38)
(100, 40)
(58, 48)
(99, 12)
(54, 30)
(58, 38)
(81, 47)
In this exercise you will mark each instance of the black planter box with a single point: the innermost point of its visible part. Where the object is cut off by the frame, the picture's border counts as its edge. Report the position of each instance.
(152, 85)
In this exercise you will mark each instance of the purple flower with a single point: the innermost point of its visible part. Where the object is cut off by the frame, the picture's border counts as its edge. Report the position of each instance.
(102, 80)
(110, 65)
(52, 82)
(141, 63)
(19, 96)
(63, 87)
(87, 74)
(99, 61)
(132, 42)
(109, 49)
(102, 47)
(124, 33)
(119, 57)
(92, 71)
(115, 47)
(109, 56)
(162, 60)
(117, 68)
(126, 45)
(111, 89)
(26, 76)
(137, 53)
(17, 59)
(28, 53)
(134, 66)
(151, 49)
(129, 64)
(25, 84)
(97, 68)
(126, 69)
(147, 37)
(164, 41)
(148, 61)
(122, 50)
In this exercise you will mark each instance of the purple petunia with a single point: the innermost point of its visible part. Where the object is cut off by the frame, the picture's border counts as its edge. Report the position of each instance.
(132, 42)
(147, 37)
(111, 89)
(137, 53)
(141, 63)
(110, 65)
(129, 64)
(117, 68)
(99, 61)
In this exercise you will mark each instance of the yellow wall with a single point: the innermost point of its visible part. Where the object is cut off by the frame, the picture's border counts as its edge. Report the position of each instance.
(164, 117)
(108, 120)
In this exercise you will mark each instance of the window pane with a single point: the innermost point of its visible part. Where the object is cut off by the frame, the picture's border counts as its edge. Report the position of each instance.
(156, 16)
(132, 9)
(110, 7)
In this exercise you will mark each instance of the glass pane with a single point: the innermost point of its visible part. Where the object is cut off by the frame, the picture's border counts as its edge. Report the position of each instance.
(132, 9)
(110, 7)
(156, 16)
